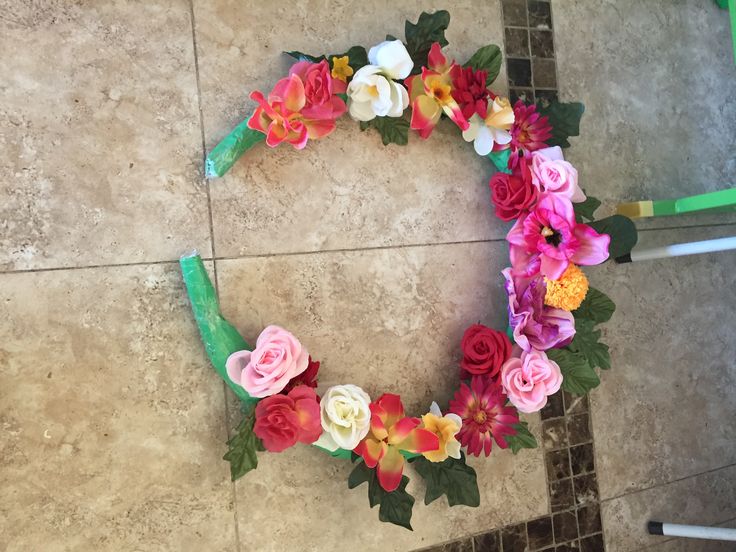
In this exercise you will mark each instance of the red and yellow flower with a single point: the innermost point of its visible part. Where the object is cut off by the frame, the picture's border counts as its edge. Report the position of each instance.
(431, 93)
(391, 433)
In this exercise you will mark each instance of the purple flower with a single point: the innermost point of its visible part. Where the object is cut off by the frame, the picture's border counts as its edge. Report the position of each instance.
(536, 325)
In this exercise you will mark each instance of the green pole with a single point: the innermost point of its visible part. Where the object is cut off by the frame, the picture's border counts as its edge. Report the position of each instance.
(229, 150)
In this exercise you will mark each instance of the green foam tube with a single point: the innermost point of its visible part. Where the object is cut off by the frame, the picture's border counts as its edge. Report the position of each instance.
(229, 150)
(220, 338)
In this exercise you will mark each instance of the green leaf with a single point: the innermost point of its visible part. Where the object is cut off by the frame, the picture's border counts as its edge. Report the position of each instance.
(565, 121)
(501, 160)
(395, 507)
(428, 29)
(357, 54)
(393, 130)
(451, 477)
(622, 231)
(488, 58)
(587, 343)
(578, 376)
(391, 37)
(522, 439)
(586, 209)
(301, 56)
(243, 445)
(337, 453)
(596, 306)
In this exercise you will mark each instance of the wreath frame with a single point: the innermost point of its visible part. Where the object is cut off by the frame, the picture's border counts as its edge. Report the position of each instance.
(576, 357)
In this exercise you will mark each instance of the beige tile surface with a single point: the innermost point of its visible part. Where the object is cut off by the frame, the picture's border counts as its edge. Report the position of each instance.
(100, 134)
(345, 191)
(391, 321)
(111, 422)
(663, 410)
(704, 499)
(659, 114)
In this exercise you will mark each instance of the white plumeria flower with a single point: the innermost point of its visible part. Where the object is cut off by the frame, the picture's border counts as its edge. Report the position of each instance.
(372, 90)
(346, 417)
(494, 129)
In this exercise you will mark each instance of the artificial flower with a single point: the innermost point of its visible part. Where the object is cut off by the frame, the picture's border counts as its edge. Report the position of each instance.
(277, 359)
(373, 91)
(340, 68)
(552, 174)
(470, 90)
(431, 94)
(528, 379)
(529, 132)
(390, 433)
(548, 239)
(567, 292)
(281, 119)
(308, 377)
(346, 417)
(490, 127)
(319, 90)
(484, 417)
(534, 324)
(484, 351)
(284, 420)
(513, 194)
(446, 428)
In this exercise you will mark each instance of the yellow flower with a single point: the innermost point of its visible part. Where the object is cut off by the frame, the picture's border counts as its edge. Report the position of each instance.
(340, 68)
(445, 427)
(568, 291)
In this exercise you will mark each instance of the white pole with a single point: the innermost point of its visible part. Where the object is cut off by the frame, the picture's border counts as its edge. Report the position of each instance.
(677, 250)
(692, 531)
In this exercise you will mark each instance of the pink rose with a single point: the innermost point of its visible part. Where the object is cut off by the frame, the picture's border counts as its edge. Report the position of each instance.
(282, 420)
(552, 174)
(529, 379)
(319, 90)
(277, 358)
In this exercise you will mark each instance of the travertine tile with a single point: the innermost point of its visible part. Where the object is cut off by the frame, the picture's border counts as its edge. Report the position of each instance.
(99, 130)
(391, 321)
(661, 412)
(348, 190)
(112, 423)
(659, 114)
(705, 499)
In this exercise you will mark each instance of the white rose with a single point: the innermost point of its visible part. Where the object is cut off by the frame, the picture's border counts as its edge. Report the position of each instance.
(372, 92)
(346, 417)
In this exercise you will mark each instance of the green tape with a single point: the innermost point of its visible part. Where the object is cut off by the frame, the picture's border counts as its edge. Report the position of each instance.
(722, 200)
(220, 338)
(229, 150)
(501, 160)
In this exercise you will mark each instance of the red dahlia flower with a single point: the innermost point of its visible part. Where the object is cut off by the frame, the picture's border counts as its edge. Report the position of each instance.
(308, 377)
(469, 90)
(485, 418)
(529, 132)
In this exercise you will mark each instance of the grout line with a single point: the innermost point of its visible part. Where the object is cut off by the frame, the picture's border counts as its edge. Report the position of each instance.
(666, 483)
(226, 401)
(88, 267)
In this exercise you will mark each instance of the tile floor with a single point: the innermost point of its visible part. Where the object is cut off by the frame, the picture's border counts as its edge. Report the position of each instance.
(112, 423)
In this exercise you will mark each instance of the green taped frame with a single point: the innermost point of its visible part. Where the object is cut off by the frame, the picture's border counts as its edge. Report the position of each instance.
(229, 150)
(722, 200)
(220, 338)
(501, 160)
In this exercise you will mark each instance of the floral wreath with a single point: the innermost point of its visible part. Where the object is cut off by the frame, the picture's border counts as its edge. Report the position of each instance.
(551, 342)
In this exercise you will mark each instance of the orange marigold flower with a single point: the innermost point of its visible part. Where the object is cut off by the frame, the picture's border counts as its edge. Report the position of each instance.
(568, 291)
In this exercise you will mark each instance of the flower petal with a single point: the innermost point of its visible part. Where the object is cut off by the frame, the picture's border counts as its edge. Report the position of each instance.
(593, 248)
(392, 407)
(425, 113)
(389, 469)
(371, 450)
(420, 440)
(401, 430)
(483, 143)
(289, 91)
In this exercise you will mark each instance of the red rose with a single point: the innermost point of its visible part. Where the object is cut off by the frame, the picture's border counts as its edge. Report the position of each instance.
(513, 194)
(484, 351)
(308, 377)
(282, 420)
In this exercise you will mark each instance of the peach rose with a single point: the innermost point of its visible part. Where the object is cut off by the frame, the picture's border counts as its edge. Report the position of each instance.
(529, 379)
(277, 358)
